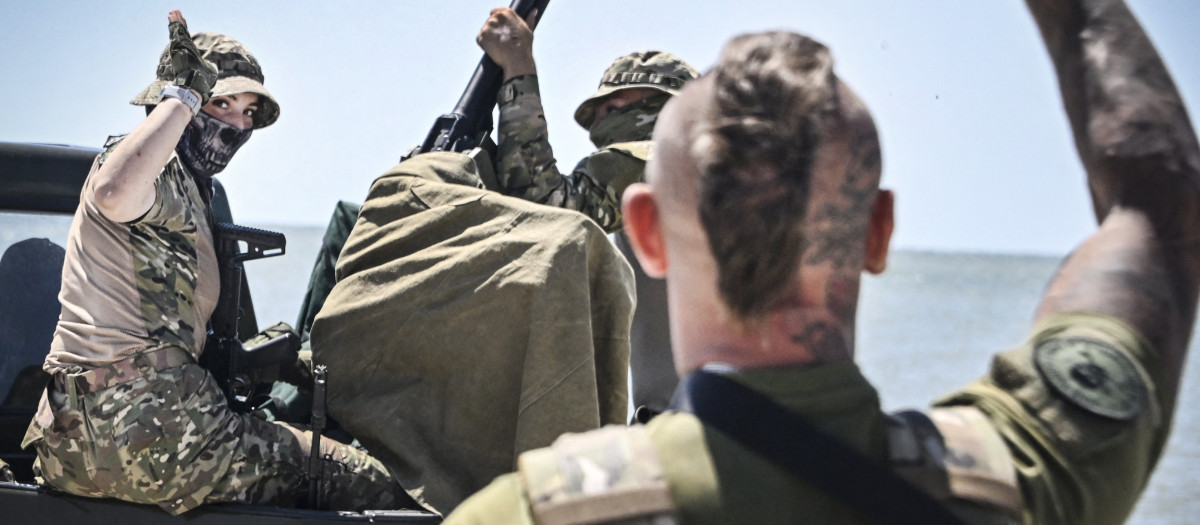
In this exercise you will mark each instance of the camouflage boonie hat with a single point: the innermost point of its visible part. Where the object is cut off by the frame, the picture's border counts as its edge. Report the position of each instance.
(237, 72)
(643, 69)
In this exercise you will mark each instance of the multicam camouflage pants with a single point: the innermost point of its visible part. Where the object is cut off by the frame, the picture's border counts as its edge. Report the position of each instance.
(155, 428)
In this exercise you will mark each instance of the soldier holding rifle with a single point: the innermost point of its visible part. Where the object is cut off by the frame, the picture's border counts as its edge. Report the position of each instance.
(619, 118)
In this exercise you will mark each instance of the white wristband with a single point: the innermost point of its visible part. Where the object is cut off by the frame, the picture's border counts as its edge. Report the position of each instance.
(185, 95)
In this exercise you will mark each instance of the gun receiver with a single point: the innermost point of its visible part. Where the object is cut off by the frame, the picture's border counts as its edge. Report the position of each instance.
(232, 364)
(469, 125)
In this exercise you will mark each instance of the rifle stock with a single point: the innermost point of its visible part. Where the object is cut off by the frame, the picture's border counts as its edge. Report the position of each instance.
(231, 364)
(469, 125)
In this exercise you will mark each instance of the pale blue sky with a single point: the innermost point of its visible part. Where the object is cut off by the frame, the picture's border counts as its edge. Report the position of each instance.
(975, 143)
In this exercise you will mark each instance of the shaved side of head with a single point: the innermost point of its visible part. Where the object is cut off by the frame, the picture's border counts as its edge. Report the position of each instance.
(761, 131)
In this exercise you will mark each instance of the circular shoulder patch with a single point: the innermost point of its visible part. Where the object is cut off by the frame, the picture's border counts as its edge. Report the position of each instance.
(1094, 375)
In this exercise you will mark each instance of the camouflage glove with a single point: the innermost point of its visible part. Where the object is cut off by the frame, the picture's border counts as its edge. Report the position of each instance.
(183, 65)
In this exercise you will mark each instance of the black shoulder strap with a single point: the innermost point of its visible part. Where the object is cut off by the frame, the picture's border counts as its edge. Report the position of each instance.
(788, 440)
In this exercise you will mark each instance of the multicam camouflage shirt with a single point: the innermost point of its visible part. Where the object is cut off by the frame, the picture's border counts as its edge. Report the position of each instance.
(132, 286)
(526, 167)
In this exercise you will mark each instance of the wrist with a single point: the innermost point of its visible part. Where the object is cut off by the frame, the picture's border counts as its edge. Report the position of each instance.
(519, 68)
(183, 94)
(517, 87)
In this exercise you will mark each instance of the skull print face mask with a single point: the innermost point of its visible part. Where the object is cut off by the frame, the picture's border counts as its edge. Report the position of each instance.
(208, 143)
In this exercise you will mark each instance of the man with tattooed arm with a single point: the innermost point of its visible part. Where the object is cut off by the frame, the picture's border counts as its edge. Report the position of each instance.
(762, 209)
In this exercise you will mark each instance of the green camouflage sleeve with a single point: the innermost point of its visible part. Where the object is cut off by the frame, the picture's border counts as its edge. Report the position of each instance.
(525, 165)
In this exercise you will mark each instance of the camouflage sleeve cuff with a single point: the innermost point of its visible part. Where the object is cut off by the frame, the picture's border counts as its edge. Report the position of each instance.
(517, 87)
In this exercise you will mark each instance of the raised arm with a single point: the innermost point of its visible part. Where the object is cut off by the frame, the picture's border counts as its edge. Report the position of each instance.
(124, 185)
(1143, 168)
(525, 164)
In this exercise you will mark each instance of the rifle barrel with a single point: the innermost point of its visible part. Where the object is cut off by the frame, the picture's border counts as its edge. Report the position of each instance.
(471, 119)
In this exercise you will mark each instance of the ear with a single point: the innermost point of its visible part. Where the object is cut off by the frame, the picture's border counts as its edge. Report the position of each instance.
(644, 229)
(879, 232)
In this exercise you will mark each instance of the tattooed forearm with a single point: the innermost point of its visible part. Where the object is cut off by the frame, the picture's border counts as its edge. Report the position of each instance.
(1129, 122)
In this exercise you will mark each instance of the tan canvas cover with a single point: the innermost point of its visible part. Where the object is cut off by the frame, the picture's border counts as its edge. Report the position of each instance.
(467, 327)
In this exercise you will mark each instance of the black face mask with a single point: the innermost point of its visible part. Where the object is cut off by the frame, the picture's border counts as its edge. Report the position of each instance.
(208, 143)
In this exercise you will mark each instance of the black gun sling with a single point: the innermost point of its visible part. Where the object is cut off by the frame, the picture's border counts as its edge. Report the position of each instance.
(788, 440)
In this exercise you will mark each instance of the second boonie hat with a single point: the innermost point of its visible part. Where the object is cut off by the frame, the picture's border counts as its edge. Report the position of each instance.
(643, 69)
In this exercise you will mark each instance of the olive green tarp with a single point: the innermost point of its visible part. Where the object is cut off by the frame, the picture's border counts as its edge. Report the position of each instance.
(467, 327)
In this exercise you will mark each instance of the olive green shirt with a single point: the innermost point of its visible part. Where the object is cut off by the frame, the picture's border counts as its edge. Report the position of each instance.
(1073, 465)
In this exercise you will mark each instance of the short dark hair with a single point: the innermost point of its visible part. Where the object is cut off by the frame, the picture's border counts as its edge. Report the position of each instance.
(772, 95)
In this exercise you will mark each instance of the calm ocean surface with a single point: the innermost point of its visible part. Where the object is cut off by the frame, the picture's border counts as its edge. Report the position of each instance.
(927, 326)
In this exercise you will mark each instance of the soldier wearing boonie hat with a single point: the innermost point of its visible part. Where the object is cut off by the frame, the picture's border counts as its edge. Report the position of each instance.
(129, 413)
(210, 140)
(654, 70)
(237, 72)
(648, 78)
(619, 117)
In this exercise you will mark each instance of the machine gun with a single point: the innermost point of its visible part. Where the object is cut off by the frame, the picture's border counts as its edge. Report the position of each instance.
(469, 125)
(234, 366)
